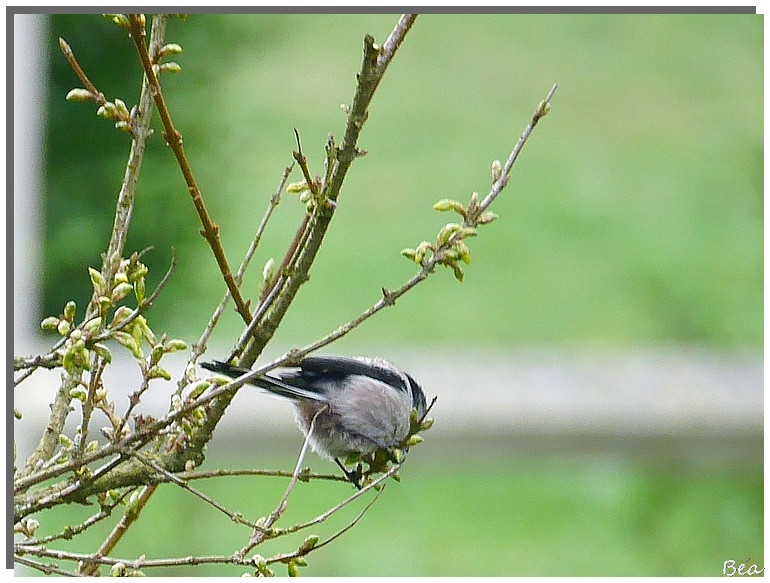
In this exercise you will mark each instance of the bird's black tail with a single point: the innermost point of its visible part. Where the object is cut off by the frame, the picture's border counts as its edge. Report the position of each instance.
(268, 383)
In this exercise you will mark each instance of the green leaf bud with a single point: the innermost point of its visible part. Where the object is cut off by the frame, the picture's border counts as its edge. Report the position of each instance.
(157, 352)
(79, 394)
(449, 256)
(446, 204)
(69, 310)
(170, 49)
(30, 525)
(63, 328)
(197, 388)
(132, 504)
(140, 330)
(171, 67)
(120, 277)
(50, 323)
(447, 231)
(120, 108)
(80, 356)
(463, 252)
(426, 424)
(414, 440)
(102, 352)
(297, 187)
(157, 372)
(120, 291)
(120, 20)
(110, 110)
(92, 326)
(120, 315)
(125, 339)
(309, 543)
(421, 250)
(137, 271)
(486, 217)
(97, 280)
(413, 417)
(139, 290)
(410, 254)
(268, 270)
(458, 271)
(293, 569)
(104, 302)
(175, 345)
(80, 94)
(497, 171)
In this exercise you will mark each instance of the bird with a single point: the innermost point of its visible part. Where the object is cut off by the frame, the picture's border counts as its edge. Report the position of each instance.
(355, 405)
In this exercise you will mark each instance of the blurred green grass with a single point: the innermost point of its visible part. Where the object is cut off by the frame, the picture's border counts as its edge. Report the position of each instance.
(552, 514)
(634, 215)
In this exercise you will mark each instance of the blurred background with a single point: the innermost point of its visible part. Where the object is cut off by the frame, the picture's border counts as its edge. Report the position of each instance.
(599, 371)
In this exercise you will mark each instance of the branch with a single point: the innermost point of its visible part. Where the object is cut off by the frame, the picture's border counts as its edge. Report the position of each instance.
(174, 140)
(542, 110)
(428, 266)
(131, 515)
(200, 346)
(373, 67)
(263, 529)
(141, 133)
(98, 96)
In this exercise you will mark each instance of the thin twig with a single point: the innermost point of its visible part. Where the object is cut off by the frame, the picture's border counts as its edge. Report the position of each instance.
(263, 529)
(200, 346)
(90, 87)
(502, 181)
(303, 552)
(53, 358)
(174, 140)
(141, 563)
(302, 161)
(373, 67)
(182, 483)
(141, 132)
(123, 212)
(374, 484)
(264, 306)
(48, 569)
(72, 531)
(89, 567)
(394, 40)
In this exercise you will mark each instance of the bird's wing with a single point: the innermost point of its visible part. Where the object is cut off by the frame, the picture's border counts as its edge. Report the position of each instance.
(344, 366)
